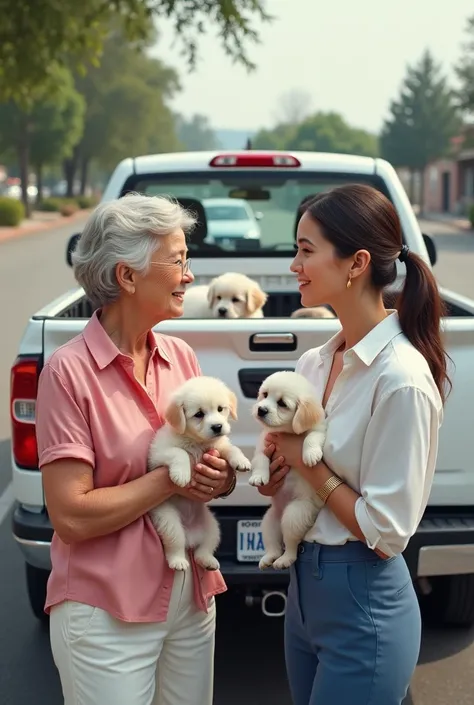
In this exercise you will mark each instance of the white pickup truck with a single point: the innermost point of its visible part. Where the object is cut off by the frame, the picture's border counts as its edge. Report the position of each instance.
(243, 352)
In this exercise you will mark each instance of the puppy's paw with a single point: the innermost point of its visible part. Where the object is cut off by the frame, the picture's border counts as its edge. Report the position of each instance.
(284, 561)
(178, 562)
(244, 465)
(180, 474)
(257, 479)
(206, 560)
(239, 462)
(312, 455)
(268, 560)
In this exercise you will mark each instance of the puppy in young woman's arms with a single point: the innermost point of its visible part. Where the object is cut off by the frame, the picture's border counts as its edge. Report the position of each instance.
(197, 420)
(287, 403)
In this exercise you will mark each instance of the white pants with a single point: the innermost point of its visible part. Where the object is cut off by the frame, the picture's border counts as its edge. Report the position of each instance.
(104, 661)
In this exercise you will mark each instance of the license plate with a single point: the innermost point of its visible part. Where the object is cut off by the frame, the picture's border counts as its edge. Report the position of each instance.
(249, 541)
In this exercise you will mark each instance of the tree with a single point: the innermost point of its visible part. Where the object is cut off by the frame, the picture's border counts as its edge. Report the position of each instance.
(57, 126)
(37, 36)
(196, 133)
(422, 121)
(293, 107)
(126, 109)
(465, 73)
(321, 132)
(45, 130)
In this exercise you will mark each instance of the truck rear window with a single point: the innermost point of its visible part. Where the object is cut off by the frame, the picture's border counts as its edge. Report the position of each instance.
(244, 213)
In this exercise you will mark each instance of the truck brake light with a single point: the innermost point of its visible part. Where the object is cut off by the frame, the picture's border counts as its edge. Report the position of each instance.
(23, 391)
(257, 159)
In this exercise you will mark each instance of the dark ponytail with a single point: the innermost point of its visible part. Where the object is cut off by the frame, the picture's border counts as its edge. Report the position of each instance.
(420, 310)
(356, 217)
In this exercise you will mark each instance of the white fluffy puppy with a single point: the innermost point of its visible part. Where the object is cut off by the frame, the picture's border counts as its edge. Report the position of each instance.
(230, 295)
(312, 312)
(288, 403)
(197, 419)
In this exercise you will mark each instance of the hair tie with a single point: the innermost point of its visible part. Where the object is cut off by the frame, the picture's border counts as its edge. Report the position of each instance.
(404, 252)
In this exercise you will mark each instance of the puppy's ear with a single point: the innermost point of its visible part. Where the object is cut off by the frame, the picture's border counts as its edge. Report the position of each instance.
(233, 405)
(211, 293)
(308, 414)
(176, 417)
(256, 298)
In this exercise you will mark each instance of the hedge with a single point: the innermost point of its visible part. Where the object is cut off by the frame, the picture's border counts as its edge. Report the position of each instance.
(12, 211)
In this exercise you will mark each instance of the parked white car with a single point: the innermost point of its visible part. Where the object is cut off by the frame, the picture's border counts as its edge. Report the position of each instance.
(230, 222)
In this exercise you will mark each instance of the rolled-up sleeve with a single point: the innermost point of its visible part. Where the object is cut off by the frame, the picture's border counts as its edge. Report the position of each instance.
(397, 468)
(62, 431)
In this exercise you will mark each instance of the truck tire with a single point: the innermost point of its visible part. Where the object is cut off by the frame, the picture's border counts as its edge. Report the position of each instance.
(451, 601)
(36, 580)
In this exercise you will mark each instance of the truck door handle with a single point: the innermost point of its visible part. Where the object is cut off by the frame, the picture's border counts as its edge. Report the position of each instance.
(273, 342)
(250, 379)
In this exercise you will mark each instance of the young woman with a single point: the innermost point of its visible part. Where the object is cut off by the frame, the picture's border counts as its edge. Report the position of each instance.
(353, 627)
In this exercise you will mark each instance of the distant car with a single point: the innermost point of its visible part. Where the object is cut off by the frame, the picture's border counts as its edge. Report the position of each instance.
(230, 222)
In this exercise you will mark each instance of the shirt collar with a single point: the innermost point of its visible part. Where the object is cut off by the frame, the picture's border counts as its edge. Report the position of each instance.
(103, 349)
(371, 345)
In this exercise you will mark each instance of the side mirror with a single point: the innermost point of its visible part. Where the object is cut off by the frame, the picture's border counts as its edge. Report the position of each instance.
(258, 215)
(431, 247)
(71, 246)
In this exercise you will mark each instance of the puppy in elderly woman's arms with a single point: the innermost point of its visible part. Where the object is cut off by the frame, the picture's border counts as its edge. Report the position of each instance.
(288, 403)
(197, 420)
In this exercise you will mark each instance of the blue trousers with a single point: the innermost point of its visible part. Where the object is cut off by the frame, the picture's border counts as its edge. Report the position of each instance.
(352, 627)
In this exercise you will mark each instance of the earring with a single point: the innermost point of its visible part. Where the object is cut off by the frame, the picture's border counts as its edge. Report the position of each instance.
(349, 283)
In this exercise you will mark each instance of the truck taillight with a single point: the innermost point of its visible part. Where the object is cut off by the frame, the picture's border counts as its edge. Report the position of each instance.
(23, 390)
(255, 159)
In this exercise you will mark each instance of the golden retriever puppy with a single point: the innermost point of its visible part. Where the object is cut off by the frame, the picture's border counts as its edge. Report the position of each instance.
(197, 419)
(313, 312)
(230, 295)
(288, 403)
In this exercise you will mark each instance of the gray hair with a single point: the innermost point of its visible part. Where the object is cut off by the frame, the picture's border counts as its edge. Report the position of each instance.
(126, 230)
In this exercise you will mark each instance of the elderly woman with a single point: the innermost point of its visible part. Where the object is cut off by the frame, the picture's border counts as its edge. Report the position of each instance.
(124, 627)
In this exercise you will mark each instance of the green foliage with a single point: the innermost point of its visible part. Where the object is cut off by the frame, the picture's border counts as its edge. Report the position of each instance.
(58, 204)
(56, 123)
(87, 201)
(37, 36)
(12, 211)
(465, 72)
(423, 120)
(195, 134)
(126, 111)
(471, 215)
(321, 132)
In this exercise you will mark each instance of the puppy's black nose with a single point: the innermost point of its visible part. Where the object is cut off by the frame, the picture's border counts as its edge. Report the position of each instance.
(222, 311)
(217, 427)
(262, 411)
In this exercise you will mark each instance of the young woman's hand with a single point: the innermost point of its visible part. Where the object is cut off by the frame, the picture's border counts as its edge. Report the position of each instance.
(278, 472)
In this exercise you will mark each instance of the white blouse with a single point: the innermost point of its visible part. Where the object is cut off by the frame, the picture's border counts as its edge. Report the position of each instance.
(384, 415)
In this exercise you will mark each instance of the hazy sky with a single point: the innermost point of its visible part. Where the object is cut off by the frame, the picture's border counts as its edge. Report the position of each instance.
(349, 55)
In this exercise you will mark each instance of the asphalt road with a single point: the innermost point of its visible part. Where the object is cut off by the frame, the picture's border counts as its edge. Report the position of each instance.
(249, 657)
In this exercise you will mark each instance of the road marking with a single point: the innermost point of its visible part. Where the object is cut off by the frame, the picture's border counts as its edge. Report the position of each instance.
(6, 501)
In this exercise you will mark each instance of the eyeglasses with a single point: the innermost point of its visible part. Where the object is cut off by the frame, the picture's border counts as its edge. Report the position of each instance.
(185, 266)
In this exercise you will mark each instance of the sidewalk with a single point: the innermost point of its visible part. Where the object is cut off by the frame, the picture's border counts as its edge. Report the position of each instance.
(39, 222)
(452, 220)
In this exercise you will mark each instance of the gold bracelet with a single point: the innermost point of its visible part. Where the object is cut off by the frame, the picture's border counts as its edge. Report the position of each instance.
(329, 487)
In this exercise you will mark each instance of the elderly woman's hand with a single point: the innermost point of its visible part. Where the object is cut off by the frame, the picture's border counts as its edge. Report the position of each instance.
(211, 477)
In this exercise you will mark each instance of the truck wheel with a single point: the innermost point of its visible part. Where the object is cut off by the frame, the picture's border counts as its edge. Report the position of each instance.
(36, 580)
(451, 601)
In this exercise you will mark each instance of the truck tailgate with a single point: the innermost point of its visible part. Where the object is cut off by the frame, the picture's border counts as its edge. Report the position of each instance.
(243, 352)
(240, 352)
